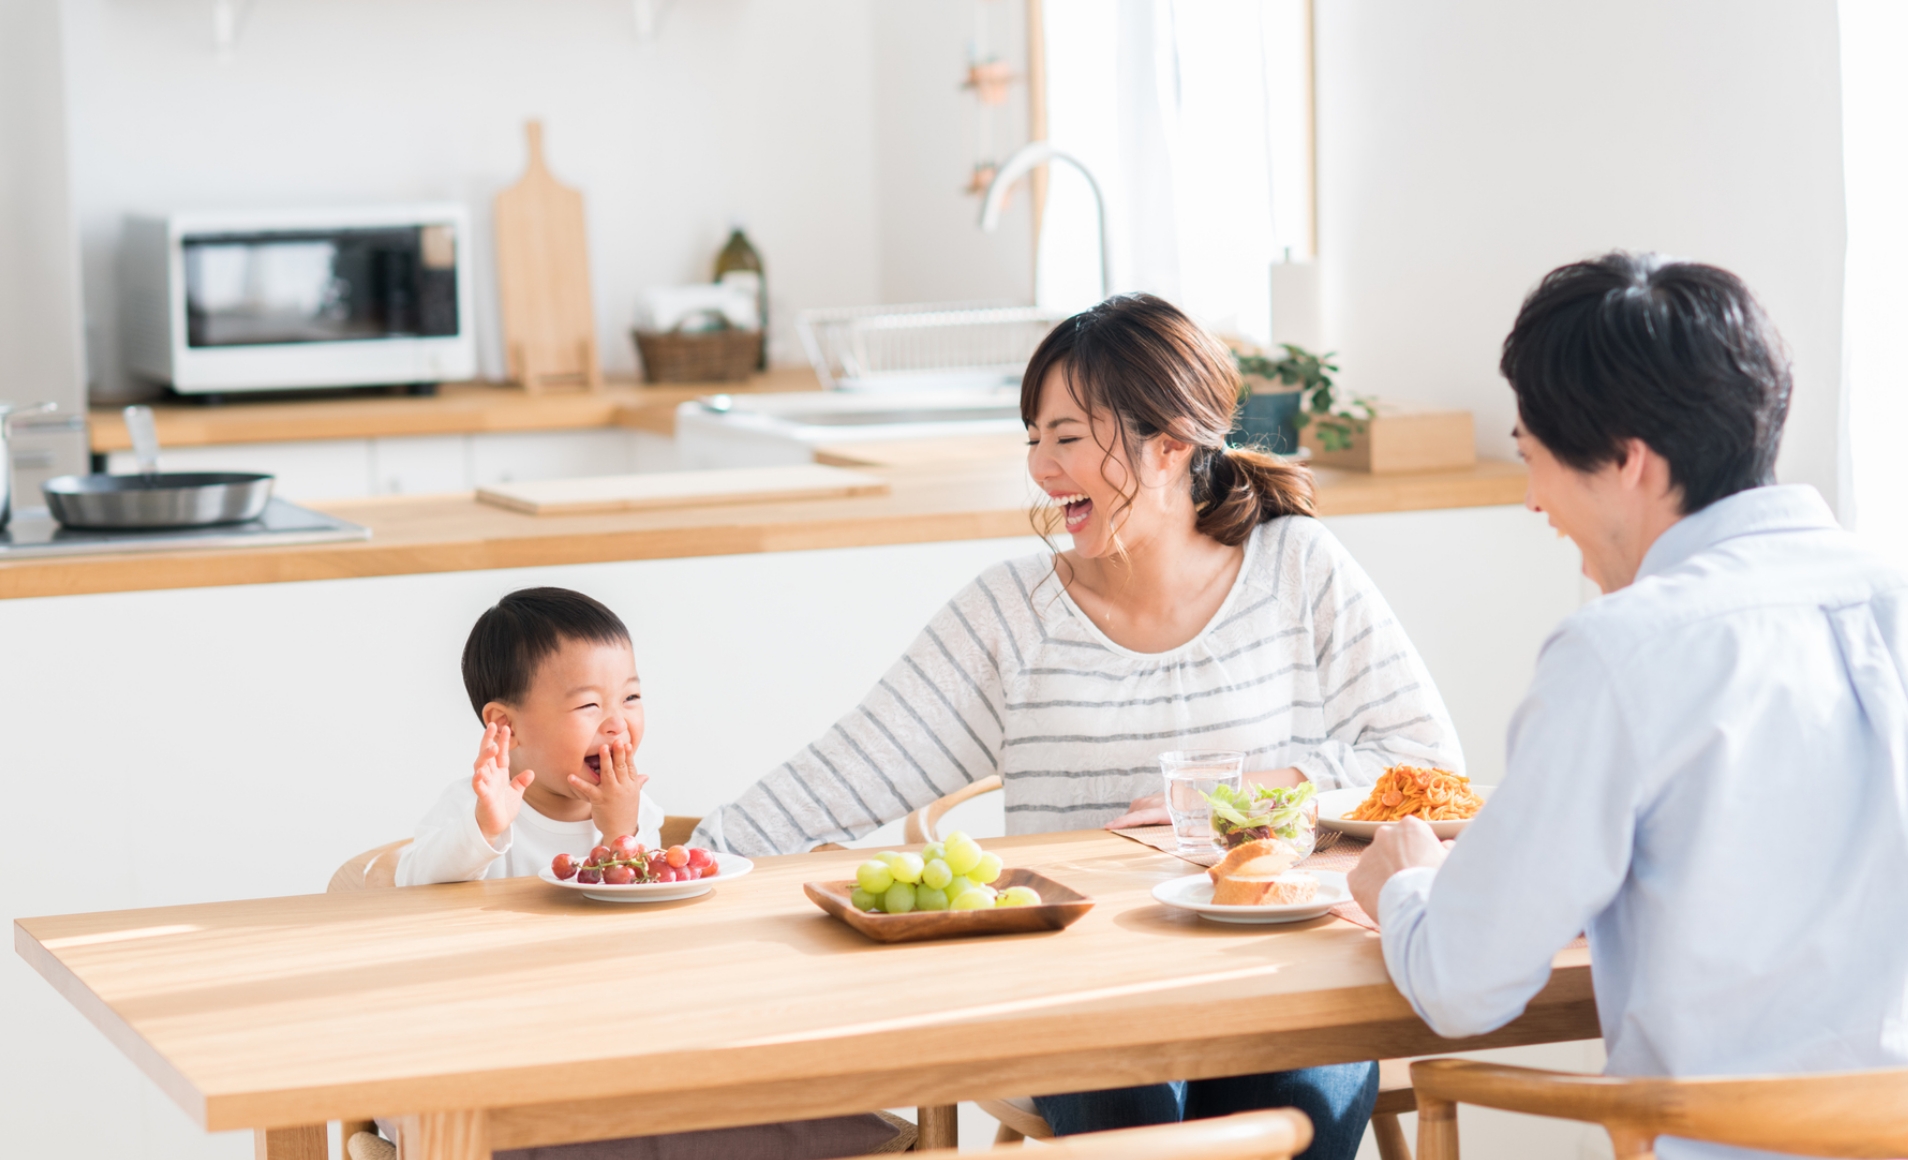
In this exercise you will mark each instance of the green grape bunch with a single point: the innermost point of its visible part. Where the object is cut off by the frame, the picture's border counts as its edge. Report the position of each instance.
(951, 874)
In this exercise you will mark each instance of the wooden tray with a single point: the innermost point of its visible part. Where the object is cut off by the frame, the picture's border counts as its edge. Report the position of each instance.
(1060, 908)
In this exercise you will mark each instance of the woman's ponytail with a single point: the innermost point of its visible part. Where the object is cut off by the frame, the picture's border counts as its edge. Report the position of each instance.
(1236, 490)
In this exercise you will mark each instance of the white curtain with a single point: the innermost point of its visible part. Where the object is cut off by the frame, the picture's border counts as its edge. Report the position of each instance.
(1874, 37)
(1192, 116)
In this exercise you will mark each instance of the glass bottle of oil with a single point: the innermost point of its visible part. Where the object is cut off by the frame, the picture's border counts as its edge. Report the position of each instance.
(738, 256)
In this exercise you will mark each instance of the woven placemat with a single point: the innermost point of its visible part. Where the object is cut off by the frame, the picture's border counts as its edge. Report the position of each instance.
(1334, 852)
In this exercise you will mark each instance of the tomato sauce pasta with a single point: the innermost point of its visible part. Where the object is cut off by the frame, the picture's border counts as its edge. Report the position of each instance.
(1406, 791)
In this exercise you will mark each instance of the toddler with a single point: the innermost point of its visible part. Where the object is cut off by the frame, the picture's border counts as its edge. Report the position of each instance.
(552, 676)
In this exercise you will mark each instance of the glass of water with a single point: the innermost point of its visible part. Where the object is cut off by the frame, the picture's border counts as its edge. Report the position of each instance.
(1190, 775)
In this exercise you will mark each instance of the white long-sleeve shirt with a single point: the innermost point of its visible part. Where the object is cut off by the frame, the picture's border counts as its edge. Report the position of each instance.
(1303, 665)
(1710, 777)
(450, 848)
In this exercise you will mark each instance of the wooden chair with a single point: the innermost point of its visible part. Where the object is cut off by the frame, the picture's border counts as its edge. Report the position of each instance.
(1278, 1134)
(1855, 1114)
(1020, 1120)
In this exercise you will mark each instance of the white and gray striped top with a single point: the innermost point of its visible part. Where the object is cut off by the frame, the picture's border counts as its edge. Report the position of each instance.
(1303, 665)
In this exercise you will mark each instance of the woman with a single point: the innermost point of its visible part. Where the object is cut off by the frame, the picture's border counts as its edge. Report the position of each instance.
(1200, 606)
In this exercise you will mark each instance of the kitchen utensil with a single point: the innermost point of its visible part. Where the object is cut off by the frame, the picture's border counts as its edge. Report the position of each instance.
(1060, 907)
(543, 278)
(145, 438)
(7, 412)
(663, 489)
(941, 344)
(155, 499)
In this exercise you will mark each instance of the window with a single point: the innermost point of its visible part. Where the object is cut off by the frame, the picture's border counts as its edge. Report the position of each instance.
(1195, 117)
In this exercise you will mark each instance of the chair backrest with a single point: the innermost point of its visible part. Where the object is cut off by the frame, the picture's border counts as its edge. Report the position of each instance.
(1278, 1134)
(1853, 1113)
(370, 870)
(676, 829)
(924, 824)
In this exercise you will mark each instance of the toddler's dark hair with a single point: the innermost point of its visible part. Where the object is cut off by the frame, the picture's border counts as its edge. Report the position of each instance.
(523, 630)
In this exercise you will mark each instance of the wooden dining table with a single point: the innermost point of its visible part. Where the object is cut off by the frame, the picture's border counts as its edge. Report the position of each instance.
(512, 1013)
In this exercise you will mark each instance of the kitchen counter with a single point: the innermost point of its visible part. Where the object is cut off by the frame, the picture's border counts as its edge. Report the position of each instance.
(947, 501)
(457, 409)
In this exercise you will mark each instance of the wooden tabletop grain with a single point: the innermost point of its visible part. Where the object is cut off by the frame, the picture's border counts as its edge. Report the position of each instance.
(930, 502)
(541, 1017)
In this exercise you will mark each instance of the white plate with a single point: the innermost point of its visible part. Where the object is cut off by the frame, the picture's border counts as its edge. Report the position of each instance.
(1194, 893)
(1334, 804)
(727, 866)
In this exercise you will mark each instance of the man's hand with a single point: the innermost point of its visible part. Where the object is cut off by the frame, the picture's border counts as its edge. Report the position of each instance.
(617, 798)
(499, 796)
(1408, 844)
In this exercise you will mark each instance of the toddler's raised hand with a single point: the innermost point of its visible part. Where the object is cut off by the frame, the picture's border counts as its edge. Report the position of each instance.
(616, 800)
(499, 796)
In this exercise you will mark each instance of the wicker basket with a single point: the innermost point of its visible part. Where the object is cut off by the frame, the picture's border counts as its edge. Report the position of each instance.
(707, 356)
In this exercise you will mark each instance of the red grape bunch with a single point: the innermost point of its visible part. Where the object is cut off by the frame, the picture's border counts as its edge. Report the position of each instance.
(624, 861)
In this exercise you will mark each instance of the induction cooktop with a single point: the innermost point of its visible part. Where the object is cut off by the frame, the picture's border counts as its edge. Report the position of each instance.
(34, 533)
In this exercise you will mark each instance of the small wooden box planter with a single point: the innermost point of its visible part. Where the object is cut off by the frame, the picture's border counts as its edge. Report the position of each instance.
(1401, 437)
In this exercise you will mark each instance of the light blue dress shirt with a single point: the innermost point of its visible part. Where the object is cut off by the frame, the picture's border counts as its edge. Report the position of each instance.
(1709, 777)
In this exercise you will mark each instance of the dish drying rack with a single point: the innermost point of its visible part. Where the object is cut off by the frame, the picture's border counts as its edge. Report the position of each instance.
(937, 344)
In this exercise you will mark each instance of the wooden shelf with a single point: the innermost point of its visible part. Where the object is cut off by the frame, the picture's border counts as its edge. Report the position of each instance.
(959, 500)
(457, 409)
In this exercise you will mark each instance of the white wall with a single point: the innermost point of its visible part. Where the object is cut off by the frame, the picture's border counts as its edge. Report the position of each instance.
(927, 137)
(756, 108)
(1467, 146)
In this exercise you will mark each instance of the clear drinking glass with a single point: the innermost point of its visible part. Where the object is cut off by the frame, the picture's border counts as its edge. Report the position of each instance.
(1190, 775)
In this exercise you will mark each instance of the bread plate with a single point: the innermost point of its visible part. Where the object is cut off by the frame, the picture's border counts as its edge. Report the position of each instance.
(728, 866)
(1194, 893)
(1334, 804)
(1060, 907)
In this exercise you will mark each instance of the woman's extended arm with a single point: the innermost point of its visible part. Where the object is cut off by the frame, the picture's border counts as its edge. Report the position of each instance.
(1379, 703)
(928, 727)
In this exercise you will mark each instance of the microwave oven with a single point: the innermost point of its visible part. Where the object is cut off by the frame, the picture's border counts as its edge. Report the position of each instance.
(218, 303)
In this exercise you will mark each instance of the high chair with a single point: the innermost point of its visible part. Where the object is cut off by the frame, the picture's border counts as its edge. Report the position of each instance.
(1851, 1113)
(1018, 1117)
(1278, 1134)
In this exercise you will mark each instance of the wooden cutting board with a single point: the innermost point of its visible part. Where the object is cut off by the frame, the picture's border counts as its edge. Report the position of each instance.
(543, 279)
(665, 489)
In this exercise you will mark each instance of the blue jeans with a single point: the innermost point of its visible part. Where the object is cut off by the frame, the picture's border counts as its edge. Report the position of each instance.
(1337, 1099)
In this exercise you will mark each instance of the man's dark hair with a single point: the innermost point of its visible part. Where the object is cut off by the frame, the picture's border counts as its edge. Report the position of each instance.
(523, 630)
(1639, 346)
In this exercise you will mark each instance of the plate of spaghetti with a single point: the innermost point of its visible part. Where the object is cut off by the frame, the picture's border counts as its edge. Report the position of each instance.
(1446, 800)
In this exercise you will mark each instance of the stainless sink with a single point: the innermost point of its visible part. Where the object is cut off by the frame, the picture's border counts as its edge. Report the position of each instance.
(766, 430)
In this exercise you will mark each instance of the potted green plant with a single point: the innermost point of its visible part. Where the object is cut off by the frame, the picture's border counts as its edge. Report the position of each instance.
(1315, 400)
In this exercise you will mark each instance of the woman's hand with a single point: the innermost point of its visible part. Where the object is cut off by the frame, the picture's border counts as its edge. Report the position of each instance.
(1145, 811)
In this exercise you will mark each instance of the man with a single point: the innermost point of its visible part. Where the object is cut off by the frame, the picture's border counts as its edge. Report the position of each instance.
(1709, 775)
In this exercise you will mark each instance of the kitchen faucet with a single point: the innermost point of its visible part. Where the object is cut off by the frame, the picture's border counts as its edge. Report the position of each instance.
(1026, 157)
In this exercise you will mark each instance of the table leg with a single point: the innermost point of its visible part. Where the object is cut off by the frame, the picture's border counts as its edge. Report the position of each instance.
(444, 1136)
(938, 1127)
(311, 1142)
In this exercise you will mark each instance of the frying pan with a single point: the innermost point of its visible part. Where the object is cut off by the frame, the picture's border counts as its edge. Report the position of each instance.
(152, 498)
